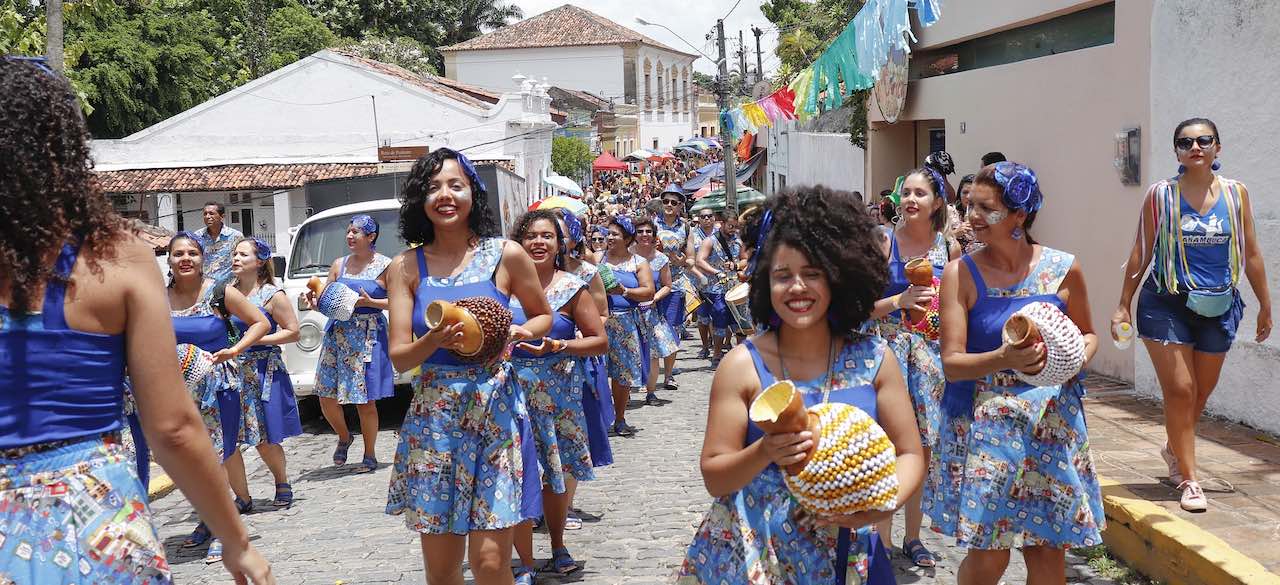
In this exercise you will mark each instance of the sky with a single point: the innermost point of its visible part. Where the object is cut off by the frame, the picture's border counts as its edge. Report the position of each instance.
(690, 19)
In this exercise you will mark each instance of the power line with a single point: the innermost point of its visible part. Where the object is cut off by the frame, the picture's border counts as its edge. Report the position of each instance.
(735, 7)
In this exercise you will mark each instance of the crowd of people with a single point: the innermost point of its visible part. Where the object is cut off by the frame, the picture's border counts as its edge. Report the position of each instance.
(599, 305)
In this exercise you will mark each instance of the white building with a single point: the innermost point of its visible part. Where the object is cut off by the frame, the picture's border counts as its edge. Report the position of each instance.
(582, 50)
(323, 117)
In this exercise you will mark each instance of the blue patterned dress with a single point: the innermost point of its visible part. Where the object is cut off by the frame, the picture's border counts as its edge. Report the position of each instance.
(354, 365)
(658, 335)
(713, 291)
(628, 353)
(919, 357)
(704, 310)
(72, 510)
(1014, 470)
(552, 387)
(672, 307)
(268, 407)
(217, 396)
(759, 535)
(466, 443)
(597, 399)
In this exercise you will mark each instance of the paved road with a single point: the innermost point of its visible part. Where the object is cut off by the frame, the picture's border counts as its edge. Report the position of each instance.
(639, 515)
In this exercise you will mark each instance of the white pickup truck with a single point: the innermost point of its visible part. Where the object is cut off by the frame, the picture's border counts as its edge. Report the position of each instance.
(318, 241)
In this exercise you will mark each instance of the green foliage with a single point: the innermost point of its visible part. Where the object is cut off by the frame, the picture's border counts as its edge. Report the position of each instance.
(704, 82)
(570, 157)
(293, 33)
(402, 51)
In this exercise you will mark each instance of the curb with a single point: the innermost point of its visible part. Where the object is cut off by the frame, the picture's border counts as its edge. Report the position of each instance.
(159, 487)
(1165, 547)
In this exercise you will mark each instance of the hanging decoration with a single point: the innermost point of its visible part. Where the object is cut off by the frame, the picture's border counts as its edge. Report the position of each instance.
(872, 45)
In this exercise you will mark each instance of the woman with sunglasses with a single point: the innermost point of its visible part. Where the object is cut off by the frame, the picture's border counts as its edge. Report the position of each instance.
(461, 478)
(960, 228)
(819, 271)
(552, 378)
(599, 242)
(1200, 226)
(269, 409)
(672, 220)
(81, 301)
(659, 336)
(920, 234)
(628, 355)
(354, 367)
(705, 228)
(1020, 451)
(718, 260)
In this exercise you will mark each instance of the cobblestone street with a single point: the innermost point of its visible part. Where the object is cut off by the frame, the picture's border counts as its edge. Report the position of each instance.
(638, 516)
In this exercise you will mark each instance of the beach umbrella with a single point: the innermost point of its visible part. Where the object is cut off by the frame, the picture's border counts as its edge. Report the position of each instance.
(574, 206)
(564, 184)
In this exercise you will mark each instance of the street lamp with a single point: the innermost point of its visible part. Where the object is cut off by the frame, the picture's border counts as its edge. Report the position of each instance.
(644, 22)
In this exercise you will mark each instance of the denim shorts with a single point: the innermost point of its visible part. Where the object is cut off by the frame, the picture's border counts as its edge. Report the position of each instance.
(1165, 317)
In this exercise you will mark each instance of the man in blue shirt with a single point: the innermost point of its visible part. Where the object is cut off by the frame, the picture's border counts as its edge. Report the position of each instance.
(218, 240)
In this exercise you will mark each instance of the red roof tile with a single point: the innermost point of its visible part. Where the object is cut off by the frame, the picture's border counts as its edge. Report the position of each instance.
(566, 26)
(228, 177)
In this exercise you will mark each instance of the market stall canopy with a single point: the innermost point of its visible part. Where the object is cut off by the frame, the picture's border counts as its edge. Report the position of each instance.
(715, 171)
(715, 200)
(564, 184)
(607, 162)
(640, 154)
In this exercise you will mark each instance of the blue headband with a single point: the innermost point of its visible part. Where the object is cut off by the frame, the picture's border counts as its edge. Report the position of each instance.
(368, 225)
(263, 248)
(470, 170)
(186, 235)
(939, 184)
(624, 223)
(1021, 188)
(573, 225)
(766, 224)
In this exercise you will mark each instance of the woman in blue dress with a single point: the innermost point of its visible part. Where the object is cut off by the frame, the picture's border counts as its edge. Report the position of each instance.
(205, 323)
(628, 354)
(672, 220)
(81, 300)
(819, 271)
(660, 338)
(268, 407)
(1012, 467)
(353, 366)
(461, 475)
(920, 233)
(552, 378)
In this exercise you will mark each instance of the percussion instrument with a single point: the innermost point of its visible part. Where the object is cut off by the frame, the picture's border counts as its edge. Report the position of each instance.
(737, 301)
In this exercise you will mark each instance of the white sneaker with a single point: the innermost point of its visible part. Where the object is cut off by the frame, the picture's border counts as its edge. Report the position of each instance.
(1193, 499)
(1175, 476)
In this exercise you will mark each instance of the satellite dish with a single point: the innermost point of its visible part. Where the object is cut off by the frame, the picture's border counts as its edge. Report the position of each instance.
(761, 90)
(891, 87)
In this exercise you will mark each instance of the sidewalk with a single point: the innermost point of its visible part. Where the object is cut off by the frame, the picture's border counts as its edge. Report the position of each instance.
(1236, 541)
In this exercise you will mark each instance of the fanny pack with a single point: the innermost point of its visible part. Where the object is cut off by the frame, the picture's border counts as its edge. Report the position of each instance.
(1211, 303)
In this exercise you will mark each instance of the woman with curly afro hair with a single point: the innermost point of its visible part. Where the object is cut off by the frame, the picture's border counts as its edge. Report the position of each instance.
(78, 288)
(466, 456)
(819, 269)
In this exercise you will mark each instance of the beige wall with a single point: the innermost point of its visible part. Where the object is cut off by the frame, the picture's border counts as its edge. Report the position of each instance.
(1057, 114)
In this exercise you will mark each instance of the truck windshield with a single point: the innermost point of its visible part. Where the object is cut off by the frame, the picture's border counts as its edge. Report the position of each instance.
(320, 242)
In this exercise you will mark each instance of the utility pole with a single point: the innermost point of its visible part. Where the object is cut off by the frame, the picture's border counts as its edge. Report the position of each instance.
(759, 56)
(53, 34)
(742, 61)
(726, 139)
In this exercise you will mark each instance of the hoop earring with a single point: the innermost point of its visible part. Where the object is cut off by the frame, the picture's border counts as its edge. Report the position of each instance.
(1217, 166)
(1017, 233)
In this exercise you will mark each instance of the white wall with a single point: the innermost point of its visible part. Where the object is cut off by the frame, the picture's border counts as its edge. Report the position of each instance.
(597, 69)
(813, 158)
(1228, 50)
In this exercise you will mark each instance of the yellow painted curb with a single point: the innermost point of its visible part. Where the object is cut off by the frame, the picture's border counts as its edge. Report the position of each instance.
(160, 487)
(1167, 548)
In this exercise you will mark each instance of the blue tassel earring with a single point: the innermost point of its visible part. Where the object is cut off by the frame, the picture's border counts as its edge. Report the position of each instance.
(1182, 169)
(1017, 233)
(1217, 166)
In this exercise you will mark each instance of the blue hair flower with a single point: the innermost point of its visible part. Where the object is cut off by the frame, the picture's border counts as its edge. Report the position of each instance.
(624, 223)
(1021, 188)
(368, 225)
(263, 249)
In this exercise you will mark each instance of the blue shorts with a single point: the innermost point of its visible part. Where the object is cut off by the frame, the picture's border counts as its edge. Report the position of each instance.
(715, 312)
(1166, 318)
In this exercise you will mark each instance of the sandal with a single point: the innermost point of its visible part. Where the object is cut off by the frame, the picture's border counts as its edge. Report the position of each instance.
(919, 555)
(244, 507)
(572, 522)
(368, 465)
(198, 536)
(670, 386)
(284, 496)
(340, 453)
(523, 576)
(562, 562)
(215, 552)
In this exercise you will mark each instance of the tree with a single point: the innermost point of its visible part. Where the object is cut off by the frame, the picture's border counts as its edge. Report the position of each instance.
(293, 33)
(402, 51)
(467, 19)
(704, 82)
(570, 157)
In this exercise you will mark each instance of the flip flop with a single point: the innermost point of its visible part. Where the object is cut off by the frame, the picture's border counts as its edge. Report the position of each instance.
(919, 555)
(215, 552)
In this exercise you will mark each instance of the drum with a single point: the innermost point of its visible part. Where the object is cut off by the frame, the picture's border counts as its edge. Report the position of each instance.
(736, 299)
(692, 300)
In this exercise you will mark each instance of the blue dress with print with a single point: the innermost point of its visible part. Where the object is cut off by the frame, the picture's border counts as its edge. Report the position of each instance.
(268, 406)
(355, 367)
(658, 335)
(466, 443)
(760, 535)
(672, 307)
(1015, 471)
(72, 510)
(597, 398)
(919, 357)
(552, 386)
(217, 396)
(628, 352)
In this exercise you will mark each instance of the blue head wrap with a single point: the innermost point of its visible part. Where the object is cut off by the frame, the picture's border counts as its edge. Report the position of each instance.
(604, 231)
(368, 225)
(939, 184)
(573, 226)
(625, 224)
(1021, 188)
(262, 249)
(186, 235)
(470, 171)
(766, 224)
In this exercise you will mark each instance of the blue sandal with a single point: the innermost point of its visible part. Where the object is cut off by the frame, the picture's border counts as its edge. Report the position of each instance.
(562, 562)
(368, 465)
(919, 555)
(244, 507)
(284, 496)
(340, 453)
(523, 576)
(198, 536)
(215, 552)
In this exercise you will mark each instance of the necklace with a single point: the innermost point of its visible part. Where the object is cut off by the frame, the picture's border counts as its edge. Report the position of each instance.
(831, 363)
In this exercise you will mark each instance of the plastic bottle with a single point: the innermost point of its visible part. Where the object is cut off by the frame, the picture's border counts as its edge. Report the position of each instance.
(1123, 335)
